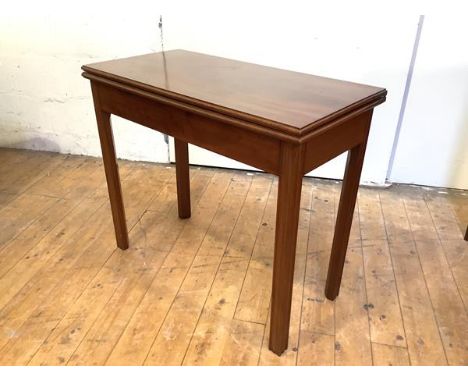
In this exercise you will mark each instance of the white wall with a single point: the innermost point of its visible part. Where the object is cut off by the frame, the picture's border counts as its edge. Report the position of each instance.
(433, 143)
(311, 39)
(45, 104)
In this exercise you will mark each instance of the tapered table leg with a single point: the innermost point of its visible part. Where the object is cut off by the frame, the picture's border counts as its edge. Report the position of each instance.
(112, 171)
(344, 219)
(183, 178)
(287, 219)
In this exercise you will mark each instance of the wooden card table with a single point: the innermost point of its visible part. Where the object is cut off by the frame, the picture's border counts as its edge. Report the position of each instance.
(285, 123)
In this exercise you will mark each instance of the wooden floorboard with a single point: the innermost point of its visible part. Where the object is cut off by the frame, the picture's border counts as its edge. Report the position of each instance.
(383, 307)
(197, 291)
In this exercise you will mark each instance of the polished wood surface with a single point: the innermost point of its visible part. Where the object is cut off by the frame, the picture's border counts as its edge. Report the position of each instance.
(344, 218)
(197, 291)
(287, 220)
(288, 101)
(283, 122)
(203, 131)
(183, 178)
(112, 171)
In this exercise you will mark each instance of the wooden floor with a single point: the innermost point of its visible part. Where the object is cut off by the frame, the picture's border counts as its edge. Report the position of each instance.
(197, 291)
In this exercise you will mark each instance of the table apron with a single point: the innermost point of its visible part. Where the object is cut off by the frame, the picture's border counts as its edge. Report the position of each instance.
(248, 147)
(322, 147)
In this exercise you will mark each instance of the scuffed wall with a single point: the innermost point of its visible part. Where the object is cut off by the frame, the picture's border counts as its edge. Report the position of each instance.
(45, 104)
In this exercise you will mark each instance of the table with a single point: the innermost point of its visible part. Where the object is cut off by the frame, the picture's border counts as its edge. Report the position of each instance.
(285, 123)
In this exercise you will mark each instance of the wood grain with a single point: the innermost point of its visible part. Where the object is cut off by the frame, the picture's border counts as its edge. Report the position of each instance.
(206, 289)
(292, 122)
(345, 213)
(170, 345)
(318, 313)
(289, 357)
(111, 169)
(287, 221)
(383, 306)
(423, 338)
(214, 329)
(386, 355)
(183, 178)
(273, 97)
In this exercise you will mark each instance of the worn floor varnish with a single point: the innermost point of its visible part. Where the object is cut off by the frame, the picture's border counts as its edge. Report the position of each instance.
(197, 291)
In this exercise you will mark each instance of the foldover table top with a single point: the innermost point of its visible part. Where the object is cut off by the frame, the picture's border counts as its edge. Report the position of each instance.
(291, 102)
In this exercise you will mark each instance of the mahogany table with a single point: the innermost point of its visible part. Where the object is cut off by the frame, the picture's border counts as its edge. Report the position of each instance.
(285, 123)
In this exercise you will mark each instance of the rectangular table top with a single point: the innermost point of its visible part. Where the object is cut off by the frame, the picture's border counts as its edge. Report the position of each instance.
(263, 95)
